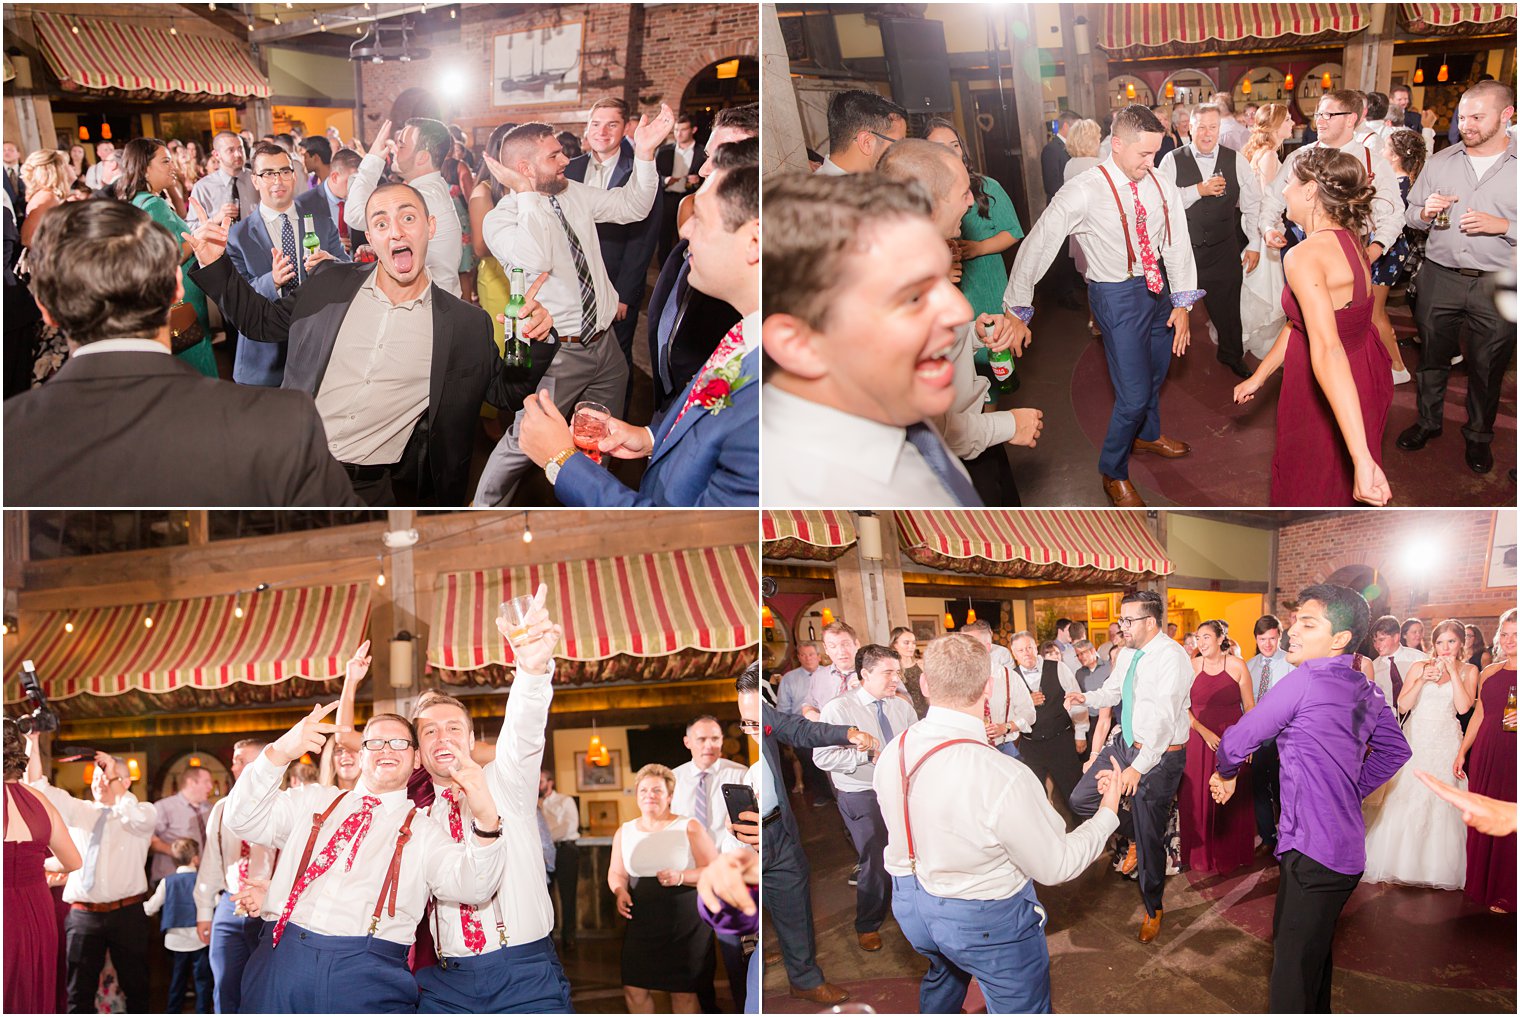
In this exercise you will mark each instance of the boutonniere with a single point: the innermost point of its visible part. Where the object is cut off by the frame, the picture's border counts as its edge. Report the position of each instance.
(767, 730)
(717, 393)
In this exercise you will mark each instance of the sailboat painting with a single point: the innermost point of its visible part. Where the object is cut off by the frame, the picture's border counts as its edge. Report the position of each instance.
(538, 66)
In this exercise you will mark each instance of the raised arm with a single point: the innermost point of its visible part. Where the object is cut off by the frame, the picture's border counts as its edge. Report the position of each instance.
(520, 747)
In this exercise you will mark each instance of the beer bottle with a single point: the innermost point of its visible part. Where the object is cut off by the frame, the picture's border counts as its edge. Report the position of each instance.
(518, 352)
(1001, 362)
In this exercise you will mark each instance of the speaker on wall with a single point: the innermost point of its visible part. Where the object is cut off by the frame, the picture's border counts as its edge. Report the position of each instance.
(918, 67)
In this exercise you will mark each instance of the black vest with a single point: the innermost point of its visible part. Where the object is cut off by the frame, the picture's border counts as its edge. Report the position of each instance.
(1050, 717)
(1212, 220)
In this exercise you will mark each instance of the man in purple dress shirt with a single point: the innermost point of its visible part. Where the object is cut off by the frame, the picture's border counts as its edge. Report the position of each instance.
(1326, 716)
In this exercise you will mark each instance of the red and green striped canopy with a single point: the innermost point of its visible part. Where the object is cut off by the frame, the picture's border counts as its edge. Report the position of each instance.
(113, 53)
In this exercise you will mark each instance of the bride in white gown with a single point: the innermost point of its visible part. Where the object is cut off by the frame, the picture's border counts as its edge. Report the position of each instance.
(1261, 311)
(1415, 838)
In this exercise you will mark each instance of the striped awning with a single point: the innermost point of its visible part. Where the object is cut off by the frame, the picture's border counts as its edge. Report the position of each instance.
(1137, 30)
(116, 56)
(819, 535)
(642, 606)
(1457, 19)
(1068, 546)
(195, 645)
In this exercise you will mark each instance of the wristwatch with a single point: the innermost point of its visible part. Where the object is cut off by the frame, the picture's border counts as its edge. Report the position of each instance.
(552, 467)
(487, 834)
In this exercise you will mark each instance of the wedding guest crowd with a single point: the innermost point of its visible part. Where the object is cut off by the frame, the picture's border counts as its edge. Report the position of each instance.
(355, 279)
(1293, 247)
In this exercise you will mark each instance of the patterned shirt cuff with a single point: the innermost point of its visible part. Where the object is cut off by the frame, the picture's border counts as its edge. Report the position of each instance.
(1022, 313)
(1187, 298)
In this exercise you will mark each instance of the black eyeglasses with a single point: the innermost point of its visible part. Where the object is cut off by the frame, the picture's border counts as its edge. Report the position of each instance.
(883, 137)
(1125, 623)
(1332, 116)
(283, 174)
(376, 744)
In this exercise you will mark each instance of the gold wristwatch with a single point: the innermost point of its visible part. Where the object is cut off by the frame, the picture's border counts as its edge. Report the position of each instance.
(552, 467)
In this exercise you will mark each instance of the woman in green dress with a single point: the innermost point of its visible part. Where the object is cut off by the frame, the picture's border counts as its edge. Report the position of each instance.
(146, 172)
(989, 227)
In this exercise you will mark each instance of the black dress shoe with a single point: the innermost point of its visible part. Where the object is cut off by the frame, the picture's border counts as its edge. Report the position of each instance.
(1480, 456)
(1414, 437)
(1239, 367)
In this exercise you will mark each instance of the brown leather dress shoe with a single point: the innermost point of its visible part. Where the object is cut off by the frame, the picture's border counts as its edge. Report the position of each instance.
(1167, 448)
(1122, 493)
(1150, 927)
(869, 941)
(1131, 859)
(823, 995)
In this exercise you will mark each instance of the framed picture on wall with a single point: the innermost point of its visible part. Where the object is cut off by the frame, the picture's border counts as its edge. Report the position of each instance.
(1097, 611)
(599, 778)
(924, 628)
(603, 818)
(1500, 571)
(221, 120)
(537, 66)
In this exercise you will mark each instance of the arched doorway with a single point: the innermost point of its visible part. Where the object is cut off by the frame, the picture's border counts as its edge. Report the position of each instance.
(1367, 581)
(733, 81)
(415, 102)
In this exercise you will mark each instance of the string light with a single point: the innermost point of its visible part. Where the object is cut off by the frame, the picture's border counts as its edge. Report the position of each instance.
(453, 14)
(380, 579)
(173, 29)
(527, 530)
(277, 17)
(237, 605)
(68, 626)
(148, 622)
(74, 29)
(211, 7)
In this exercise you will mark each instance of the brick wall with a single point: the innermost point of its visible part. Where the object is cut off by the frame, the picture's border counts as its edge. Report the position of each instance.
(644, 55)
(1311, 552)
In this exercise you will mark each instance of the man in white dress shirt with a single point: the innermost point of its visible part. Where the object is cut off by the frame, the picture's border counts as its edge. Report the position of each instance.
(1394, 657)
(1056, 741)
(1233, 132)
(699, 793)
(872, 708)
(1267, 668)
(564, 818)
(1130, 220)
(1223, 202)
(226, 863)
(968, 835)
(860, 325)
(1010, 708)
(862, 126)
(1336, 120)
(497, 957)
(793, 694)
(1153, 680)
(417, 153)
(977, 438)
(356, 870)
(105, 893)
(832, 681)
(546, 225)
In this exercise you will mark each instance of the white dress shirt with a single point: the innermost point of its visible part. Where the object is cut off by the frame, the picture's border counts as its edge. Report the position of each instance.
(122, 345)
(831, 169)
(180, 939)
(1280, 669)
(680, 167)
(848, 767)
(599, 172)
(796, 685)
(684, 801)
(983, 825)
(1163, 696)
(968, 432)
(342, 901)
(1407, 657)
(815, 455)
(1068, 679)
(377, 383)
(1008, 700)
(522, 231)
(1387, 210)
(1249, 200)
(221, 858)
(446, 247)
(562, 815)
(121, 868)
(827, 684)
(1233, 134)
(1084, 208)
(521, 894)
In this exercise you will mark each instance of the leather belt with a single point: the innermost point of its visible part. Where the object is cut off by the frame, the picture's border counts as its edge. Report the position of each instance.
(1471, 273)
(364, 474)
(770, 818)
(115, 905)
(585, 340)
(1170, 748)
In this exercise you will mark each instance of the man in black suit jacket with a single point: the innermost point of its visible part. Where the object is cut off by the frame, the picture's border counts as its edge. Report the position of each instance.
(123, 422)
(1399, 111)
(400, 430)
(627, 248)
(676, 186)
(14, 187)
(1061, 281)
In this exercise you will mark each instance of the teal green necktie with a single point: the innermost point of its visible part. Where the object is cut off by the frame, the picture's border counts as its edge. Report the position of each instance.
(1128, 698)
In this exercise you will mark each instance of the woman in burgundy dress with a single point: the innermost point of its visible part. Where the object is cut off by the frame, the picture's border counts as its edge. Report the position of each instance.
(1490, 771)
(1215, 838)
(33, 828)
(1337, 376)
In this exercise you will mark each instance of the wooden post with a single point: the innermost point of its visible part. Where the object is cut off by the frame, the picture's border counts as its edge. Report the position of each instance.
(1156, 522)
(785, 145)
(1368, 57)
(400, 592)
(1028, 96)
(1080, 79)
(892, 573)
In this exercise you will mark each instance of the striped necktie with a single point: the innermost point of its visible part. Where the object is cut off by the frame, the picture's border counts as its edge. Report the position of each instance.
(702, 805)
(582, 273)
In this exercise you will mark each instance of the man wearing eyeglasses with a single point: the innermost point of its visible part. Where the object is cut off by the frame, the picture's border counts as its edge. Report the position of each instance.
(1153, 679)
(356, 870)
(1336, 120)
(266, 249)
(862, 125)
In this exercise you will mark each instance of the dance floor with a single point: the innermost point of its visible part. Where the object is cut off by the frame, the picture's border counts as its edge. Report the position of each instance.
(1064, 374)
(1398, 950)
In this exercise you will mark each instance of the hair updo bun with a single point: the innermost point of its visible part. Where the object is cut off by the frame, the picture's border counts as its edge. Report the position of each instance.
(1345, 189)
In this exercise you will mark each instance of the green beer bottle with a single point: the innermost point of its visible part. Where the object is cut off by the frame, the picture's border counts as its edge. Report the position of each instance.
(518, 353)
(1001, 362)
(309, 234)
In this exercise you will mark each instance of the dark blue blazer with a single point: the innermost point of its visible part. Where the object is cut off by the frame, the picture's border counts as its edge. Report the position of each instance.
(702, 459)
(248, 246)
(627, 248)
(696, 332)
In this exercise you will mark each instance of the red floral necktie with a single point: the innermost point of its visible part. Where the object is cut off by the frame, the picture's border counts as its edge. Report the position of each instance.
(242, 866)
(353, 829)
(1147, 253)
(474, 935)
(730, 344)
